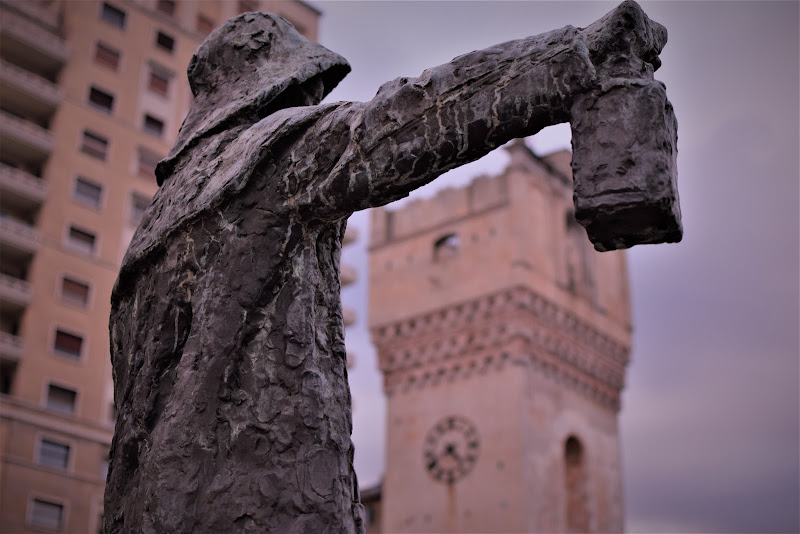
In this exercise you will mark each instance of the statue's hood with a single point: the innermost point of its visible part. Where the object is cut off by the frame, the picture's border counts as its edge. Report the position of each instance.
(248, 68)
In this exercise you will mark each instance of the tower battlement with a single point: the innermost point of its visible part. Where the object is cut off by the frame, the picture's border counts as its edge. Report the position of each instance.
(481, 193)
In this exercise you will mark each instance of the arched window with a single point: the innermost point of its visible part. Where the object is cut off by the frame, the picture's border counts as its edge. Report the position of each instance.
(576, 486)
(446, 247)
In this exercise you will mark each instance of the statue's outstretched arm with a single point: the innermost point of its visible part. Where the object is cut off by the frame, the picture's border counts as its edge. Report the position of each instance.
(417, 128)
(599, 78)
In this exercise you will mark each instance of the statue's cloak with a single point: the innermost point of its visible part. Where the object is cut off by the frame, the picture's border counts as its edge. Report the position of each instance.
(242, 77)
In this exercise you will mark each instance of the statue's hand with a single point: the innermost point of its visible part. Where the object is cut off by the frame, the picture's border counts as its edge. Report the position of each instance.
(624, 137)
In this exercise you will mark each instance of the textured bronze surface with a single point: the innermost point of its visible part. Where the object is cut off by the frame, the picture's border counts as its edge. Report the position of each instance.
(226, 328)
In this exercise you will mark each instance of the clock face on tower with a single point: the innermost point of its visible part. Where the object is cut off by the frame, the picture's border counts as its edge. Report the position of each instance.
(451, 449)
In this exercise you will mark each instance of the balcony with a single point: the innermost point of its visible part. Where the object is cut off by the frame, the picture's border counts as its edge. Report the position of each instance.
(347, 275)
(14, 293)
(33, 45)
(31, 94)
(33, 11)
(20, 189)
(10, 346)
(24, 139)
(17, 238)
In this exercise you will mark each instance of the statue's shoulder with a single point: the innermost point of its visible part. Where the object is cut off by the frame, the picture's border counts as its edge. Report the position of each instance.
(218, 166)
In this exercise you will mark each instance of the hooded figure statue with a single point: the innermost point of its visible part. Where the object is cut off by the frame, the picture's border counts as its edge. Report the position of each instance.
(226, 327)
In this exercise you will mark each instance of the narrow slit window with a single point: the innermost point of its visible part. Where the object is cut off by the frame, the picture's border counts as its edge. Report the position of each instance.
(575, 478)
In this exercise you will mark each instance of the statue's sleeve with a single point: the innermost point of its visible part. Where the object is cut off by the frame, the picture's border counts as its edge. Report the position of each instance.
(417, 128)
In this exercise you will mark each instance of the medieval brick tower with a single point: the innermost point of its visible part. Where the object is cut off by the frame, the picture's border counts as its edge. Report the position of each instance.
(503, 339)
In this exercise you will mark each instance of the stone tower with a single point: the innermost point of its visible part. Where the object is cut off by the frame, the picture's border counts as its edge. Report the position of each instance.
(503, 339)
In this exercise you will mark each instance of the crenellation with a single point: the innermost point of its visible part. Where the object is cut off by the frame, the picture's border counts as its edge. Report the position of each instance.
(448, 206)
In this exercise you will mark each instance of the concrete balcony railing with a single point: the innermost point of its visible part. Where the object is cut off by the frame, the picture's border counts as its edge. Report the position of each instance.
(21, 184)
(348, 316)
(33, 11)
(27, 139)
(45, 48)
(347, 275)
(19, 235)
(14, 291)
(29, 90)
(10, 346)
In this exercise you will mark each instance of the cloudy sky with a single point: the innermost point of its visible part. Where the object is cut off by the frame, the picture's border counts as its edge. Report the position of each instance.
(710, 418)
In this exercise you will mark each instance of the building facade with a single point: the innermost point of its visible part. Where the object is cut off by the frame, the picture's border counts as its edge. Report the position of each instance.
(503, 339)
(92, 93)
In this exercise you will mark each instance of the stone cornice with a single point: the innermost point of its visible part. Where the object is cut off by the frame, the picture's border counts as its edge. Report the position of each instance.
(516, 326)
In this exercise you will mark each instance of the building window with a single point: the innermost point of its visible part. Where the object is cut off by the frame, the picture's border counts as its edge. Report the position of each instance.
(165, 42)
(81, 240)
(74, 292)
(107, 56)
(158, 82)
(61, 399)
(100, 99)
(68, 344)
(87, 192)
(8, 370)
(576, 486)
(446, 247)
(246, 6)
(153, 126)
(46, 514)
(139, 205)
(94, 145)
(204, 24)
(166, 6)
(53, 454)
(113, 15)
(147, 161)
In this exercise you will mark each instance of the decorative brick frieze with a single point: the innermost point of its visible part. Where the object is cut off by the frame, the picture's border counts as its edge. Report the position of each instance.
(511, 326)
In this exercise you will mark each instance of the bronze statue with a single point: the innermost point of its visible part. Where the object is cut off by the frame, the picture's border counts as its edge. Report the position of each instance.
(226, 327)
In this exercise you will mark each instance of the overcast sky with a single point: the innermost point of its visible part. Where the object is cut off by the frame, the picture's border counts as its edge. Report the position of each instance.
(709, 424)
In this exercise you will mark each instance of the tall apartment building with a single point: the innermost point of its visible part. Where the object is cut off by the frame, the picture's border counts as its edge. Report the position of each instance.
(92, 93)
(503, 339)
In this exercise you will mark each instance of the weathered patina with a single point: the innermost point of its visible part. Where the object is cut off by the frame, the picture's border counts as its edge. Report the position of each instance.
(226, 328)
